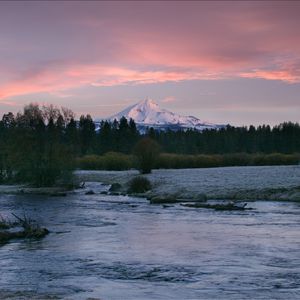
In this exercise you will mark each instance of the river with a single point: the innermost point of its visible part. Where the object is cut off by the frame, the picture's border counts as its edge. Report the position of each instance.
(120, 248)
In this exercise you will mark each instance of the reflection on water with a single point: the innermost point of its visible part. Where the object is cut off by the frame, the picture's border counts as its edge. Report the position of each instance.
(111, 247)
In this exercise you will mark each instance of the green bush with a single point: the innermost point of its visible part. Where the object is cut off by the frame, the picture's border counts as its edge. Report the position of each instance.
(139, 185)
(180, 161)
(147, 152)
(90, 162)
(237, 159)
(119, 161)
(274, 159)
(108, 161)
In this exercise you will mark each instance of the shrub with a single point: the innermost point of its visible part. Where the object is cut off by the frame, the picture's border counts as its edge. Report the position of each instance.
(274, 159)
(139, 185)
(146, 152)
(237, 159)
(108, 161)
(90, 162)
(178, 161)
(117, 161)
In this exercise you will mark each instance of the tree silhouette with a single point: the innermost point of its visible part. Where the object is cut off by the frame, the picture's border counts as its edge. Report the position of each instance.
(147, 152)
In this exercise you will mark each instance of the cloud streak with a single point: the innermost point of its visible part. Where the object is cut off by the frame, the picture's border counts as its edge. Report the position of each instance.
(58, 80)
(58, 47)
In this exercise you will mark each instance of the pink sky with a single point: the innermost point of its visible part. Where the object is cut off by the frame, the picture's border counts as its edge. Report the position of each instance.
(216, 60)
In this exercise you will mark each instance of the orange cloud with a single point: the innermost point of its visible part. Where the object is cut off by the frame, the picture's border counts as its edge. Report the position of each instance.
(283, 75)
(162, 43)
(168, 99)
(57, 81)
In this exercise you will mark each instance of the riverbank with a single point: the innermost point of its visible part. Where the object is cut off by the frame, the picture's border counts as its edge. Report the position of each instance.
(230, 183)
(23, 189)
(277, 183)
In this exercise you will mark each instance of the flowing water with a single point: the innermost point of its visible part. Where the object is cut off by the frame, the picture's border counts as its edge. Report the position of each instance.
(115, 247)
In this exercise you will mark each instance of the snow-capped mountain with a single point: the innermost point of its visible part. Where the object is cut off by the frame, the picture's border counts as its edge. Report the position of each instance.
(147, 113)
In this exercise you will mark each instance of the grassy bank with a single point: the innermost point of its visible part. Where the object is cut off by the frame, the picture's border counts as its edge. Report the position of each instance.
(119, 161)
(174, 161)
(111, 161)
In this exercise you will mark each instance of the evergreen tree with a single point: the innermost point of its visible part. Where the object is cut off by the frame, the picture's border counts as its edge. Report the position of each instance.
(87, 134)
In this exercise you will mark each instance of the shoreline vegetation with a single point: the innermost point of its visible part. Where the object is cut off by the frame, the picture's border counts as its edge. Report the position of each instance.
(118, 161)
(164, 186)
(21, 228)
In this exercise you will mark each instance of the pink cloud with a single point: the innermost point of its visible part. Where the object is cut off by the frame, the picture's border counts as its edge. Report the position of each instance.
(283, 75)
(168, 99)
(102, 44)
(57, 82)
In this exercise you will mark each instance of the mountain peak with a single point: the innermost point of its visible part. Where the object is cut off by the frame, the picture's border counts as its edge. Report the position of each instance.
(147, 113)
(148, 101)
(147, 104)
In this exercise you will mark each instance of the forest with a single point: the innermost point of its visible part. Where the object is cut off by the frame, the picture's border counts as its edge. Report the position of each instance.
(42, 145)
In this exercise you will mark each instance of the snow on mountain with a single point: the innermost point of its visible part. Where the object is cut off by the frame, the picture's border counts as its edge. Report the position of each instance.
(147, 113)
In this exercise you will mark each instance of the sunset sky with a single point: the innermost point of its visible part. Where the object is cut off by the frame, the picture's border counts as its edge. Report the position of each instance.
(224, 62)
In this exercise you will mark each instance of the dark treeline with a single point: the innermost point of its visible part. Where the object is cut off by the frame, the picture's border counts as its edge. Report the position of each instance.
(40, 144)
(284, 138)
(122, 136)
(37, 145)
